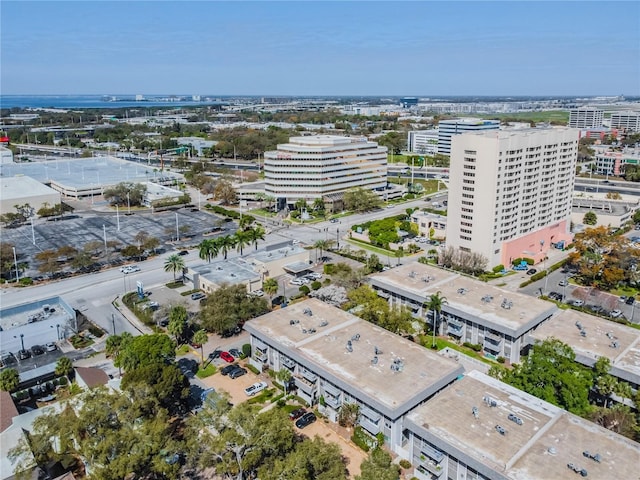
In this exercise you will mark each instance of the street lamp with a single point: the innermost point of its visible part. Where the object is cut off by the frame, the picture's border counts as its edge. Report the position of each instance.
(15, 261)
(21, 340)
(113, 322)
(57, 330)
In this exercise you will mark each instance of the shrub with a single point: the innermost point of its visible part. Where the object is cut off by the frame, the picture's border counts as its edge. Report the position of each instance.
(246, 350)
(516, 261)
(316, 285)
(501, 360)
(304, 290)
(362, 439)
(476, 347)
(26, 281)
(96, 331)
(529, 261)
(497, 268)
(329, 268)
(252, 369)
(281, 403)
(405, 463)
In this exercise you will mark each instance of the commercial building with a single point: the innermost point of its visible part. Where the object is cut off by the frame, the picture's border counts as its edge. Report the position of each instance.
(457, 126)
(336, 358)
(629, 121)
(593, 337)
(609, 212)
(6, 155)
(613, 162)
(585, 117)
(430, 225)
(20, 190)
(480, 429)
(475, 312)
(316, 166)
(510, 192)
(423, 141)
(198, 143)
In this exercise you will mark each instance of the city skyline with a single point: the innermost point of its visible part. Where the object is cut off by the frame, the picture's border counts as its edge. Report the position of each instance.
(321, 48)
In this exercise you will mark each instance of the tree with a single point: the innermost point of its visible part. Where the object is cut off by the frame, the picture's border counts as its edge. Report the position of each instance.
(178, 316)
(590, 218)
(373, 264)
(270, 287)
(146, 349)
(310, 460)
(226, 243)
(255, 234)
(550, 372)
(125, 193)
(283, 376)
(9, 380)
(64, 366)
(435, 303)
(230, 307)
(378, 466)
(323, 245)
(174, 263)
(155, 386)
(361, 200)
(224, 192)
(208, 249)
(200, 338)
(242, 239)
(348, 415)
(331, 294)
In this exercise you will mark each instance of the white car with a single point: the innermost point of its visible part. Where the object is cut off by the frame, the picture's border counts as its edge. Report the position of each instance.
(130, 269)
(296, 281)
(251, 390)
(616, 313)
(257, 293)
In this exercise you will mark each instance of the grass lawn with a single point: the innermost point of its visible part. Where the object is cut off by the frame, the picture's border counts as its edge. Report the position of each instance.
(207, 371)
(176, 284)
(261, 212)
(371, 248)
(182, 350)
(442, 343)
(545, 116)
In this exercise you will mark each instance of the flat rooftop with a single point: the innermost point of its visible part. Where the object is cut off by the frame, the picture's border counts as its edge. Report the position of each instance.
(465, 295)
(548, 439)
(604, 338)
(266, 256)
(84, 172)
(23, 187)
(325, 352)
(226, 271)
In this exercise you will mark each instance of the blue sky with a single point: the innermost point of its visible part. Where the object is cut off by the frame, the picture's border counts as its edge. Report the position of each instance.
(320, 48)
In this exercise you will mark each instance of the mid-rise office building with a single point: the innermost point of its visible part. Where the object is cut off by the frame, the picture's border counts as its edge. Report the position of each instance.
(626, 120)
(317, 166)
(612, 162)
(585, 117)
(423, 141)
(457, 126)
(510, 192)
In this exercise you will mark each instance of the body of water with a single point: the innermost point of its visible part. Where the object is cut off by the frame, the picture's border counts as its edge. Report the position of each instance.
(94, 101)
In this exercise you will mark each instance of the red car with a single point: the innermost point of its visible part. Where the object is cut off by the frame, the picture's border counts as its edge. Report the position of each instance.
(227, 357)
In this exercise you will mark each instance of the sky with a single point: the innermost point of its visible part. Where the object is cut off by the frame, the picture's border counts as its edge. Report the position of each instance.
(416, 48)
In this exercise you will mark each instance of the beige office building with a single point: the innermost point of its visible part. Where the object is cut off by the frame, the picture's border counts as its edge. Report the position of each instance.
(316, 166)
(510, 192)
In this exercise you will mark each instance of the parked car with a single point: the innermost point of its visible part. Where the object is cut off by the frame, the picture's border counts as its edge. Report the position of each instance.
(197, 296)
(532, 271)
(616, 313)
(227, 357)
(227, 369)
(297, 413)
(215, 354)
(296, 281)
(251, 390)
(23, 354)
(578, 303)
(37, 350)
(334, 220)
(622, 298)
(305, 420)
(234, 352)
(630, 301)
(232, 332)
(182, 253)
(257, 293)
(50, 347)
(563, 283)
(238, 372)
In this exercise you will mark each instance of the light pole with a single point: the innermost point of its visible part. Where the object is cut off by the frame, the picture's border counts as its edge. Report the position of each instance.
(128, 204)
(178, 229)
(15, 262)
(33, 233)
(113, 322)
(118, 216)
(338, 238)
(22, 340)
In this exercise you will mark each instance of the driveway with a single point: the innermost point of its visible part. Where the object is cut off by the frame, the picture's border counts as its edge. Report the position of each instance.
(350, 451)
(234, 387)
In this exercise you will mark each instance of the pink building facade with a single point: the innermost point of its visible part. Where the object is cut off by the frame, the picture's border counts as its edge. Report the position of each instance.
(535, 245)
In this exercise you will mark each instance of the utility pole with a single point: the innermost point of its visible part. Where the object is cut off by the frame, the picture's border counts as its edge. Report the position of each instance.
(177, 229)
(33, 233)
(15, 261)
(118, 216)
(113, 322)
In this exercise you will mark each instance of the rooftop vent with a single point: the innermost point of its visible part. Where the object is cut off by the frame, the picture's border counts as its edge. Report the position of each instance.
(552, 450)
(490, 401)
(356, 337)
(578, 324)
(506, 304)
(611, 336)
(377, 351)
(294, 322)
(475, 412)
(500, 429)
(614, 344)
(397, 365)
(311, 331)
(515, 419)
(349, 346)
(487, 298)
(218, 268)
(307, 311)
(593, 456)
(374, 361)
(575, 468)
(324, 323)
(427, 278)
(583, 333)
(412, 274)
(232, 274)
(462, 291)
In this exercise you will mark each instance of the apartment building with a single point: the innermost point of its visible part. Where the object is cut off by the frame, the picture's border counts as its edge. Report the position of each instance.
(510, 192)
(457, 126)
(481, 429)
(316, 166)
(629, 121)
(476, 312)
(612, 162)
(336, 358)
(423, 141)
(585, 117)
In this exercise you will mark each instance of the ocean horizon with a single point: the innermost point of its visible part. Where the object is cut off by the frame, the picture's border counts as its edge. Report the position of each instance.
(98, 101)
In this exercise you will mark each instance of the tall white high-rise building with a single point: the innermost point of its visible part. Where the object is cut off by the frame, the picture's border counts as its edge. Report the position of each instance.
(315, 166)
(585, 117)
(423, 141)
(457, 126)
(510, 192)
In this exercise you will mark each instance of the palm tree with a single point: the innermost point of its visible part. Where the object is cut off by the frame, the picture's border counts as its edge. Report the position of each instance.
(323, 245)
(435, 303)
(242, 239)
(284, 376)
(64, 366)
(174, 263)
(200, 338)
(225, 244)
(209, 249)
(270, 287)
(177, 322)
(255, 234)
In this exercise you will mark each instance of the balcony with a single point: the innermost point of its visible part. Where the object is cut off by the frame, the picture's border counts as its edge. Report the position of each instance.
(287, 362)
(430, 470)
(496, 339)
(304, 385)
(261, 356)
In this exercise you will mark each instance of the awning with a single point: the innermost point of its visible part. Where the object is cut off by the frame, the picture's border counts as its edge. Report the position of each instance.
(297, 267)
(370, 414)
(330, 389)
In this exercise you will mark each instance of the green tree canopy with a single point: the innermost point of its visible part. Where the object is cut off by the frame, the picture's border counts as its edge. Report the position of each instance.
(590, 218)
(157, 384)
(146, 350)
(64, 366)
(378, 466)
(229, 307)
(125, 193)
(174, 263)
(9, 380)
